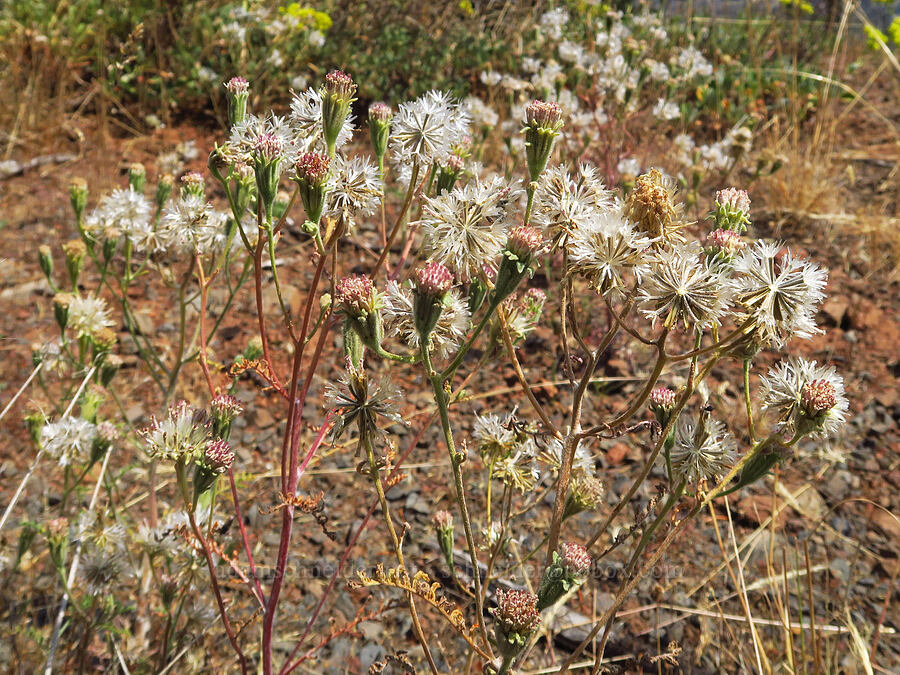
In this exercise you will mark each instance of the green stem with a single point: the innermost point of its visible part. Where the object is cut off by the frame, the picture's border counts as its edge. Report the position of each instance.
(747, 401)
(456, 460)
(451, 369)
(507, 663)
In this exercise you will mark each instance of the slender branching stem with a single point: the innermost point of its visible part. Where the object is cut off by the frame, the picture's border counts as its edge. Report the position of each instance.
(374, 473)
(400, 219)
(750, 426)
(441, 399)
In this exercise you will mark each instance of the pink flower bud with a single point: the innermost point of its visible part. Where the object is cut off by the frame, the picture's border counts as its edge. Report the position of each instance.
(434, 279)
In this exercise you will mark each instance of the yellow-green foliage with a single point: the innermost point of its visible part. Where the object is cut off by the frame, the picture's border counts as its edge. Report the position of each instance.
(308, 16)
(876, 37)
(802, 5)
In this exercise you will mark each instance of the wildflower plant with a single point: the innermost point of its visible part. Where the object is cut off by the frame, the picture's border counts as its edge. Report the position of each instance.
(468, 271)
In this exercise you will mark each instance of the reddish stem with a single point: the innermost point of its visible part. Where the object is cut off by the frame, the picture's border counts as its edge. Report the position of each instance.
(240, 518)
(346, 554)
(292, 432)
(232, 637)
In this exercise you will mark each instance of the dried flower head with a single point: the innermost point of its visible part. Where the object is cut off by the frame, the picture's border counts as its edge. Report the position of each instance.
(121, 213)
(88, 314)
(359, 401)
(107, 432)
(426, 130)
(652, 206)
(354, 189)
(517, 469)
(399, 317)
(587, 494)
(703, 450)
(565, 203)
(101, 568)
(68, 440)
(523, 315)
(465, 227)
(607, 251)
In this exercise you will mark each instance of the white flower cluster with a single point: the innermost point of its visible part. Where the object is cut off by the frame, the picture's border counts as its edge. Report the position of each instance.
(517, 457)
(69, 440)
(807, 398)
(466, 228)
(399, 317)
(185, 225)
(630, 53)
(428, 129)
(712, 156)
(88, 315)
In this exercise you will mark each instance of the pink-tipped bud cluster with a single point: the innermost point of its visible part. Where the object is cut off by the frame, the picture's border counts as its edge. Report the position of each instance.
(312, 167)
(225, 407)
(818, 396)
(434, 279)
(356, 293)
(455, 163)
(268, 147)
(338, 83)
(517, 611)
(662, 398)
(524, 241)
(107, 432)
(543, 114)
(727, 242)
(442, 520)
(535, 295)
(58, 526)
(380, 112)
(534, 298)
(237, 85)
(218, 456)
(575, 559)
(735, 199)
(588, 493)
